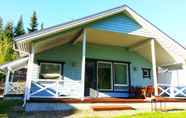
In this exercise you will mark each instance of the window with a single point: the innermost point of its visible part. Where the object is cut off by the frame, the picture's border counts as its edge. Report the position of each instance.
(19, 75)
(146, 73)
(50, 70)
(104, 75)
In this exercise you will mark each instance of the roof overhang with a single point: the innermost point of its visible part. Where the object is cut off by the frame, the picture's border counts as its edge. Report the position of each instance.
(14, 65)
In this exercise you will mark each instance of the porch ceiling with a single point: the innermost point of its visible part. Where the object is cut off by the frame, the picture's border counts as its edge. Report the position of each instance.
(140, 45)
(113, 38)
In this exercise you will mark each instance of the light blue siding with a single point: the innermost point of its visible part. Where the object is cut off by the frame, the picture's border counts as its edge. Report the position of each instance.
(117, 23)
(122, 54)
(71, 54)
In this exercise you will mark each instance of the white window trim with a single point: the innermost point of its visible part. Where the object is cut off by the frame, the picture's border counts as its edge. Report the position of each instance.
(104, 62)
(127, 75)
(60, 69)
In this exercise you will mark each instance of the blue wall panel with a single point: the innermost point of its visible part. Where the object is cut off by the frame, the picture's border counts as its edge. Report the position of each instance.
(117, 23)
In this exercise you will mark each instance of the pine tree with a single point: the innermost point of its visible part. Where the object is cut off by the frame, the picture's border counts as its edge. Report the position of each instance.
(19, 29)
(9, 30)
(42, 26)
(1, 24)
(33, 23)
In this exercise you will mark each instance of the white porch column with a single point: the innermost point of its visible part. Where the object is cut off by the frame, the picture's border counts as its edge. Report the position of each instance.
(7, 82)
(153, 55)
(29, 75)
(83, 64)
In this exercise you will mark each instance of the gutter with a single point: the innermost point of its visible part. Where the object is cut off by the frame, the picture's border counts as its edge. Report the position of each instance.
(17, 50)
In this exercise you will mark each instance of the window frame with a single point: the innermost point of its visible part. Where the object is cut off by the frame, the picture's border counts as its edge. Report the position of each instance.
(148, 71)
(61, 65)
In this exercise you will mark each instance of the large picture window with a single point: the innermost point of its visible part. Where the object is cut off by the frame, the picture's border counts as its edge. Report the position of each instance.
(104, 75)
(50, 70)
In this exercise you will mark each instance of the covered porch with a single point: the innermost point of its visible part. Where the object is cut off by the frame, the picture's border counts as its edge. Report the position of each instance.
(107, 64)
(92, 63)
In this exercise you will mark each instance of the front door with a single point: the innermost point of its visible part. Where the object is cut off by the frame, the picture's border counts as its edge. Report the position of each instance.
(90, 79)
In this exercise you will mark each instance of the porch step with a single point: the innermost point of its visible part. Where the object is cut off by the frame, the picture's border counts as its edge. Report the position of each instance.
(112, 107)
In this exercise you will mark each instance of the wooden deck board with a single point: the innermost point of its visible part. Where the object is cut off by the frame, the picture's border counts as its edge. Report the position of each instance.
(102, 100)
(87, 100)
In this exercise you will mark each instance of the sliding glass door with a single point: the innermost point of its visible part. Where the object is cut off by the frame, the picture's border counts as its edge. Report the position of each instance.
(120, 76)
(112, 76)
(104, 75)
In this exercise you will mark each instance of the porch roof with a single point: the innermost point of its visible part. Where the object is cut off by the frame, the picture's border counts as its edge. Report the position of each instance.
(133, 43)
(14, 65)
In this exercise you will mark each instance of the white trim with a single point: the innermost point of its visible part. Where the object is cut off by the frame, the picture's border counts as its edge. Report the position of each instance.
(29, 75)
(44, 89)
(110, 63)
(60, 68)
(154, 72)
(7, 82)
(83, 62)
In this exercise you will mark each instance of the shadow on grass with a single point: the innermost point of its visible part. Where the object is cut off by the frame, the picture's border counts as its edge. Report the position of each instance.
(14, 109)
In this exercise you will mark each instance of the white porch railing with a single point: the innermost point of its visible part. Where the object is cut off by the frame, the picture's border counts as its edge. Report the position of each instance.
(55, 88)
(172, 91)
(15, 88)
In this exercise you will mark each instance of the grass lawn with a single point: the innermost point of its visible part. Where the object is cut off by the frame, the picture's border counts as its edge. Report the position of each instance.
(9, 108)
(156, 115)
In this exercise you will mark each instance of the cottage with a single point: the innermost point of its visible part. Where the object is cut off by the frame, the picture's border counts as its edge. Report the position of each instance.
(107, 54)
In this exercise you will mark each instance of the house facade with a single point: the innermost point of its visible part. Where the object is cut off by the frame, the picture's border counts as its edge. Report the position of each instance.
(102, 55)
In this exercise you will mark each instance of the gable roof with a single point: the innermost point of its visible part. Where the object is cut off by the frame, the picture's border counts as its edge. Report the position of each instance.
(71, 24)
(172, 46)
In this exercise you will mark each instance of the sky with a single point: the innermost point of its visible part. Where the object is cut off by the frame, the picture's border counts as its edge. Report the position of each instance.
(168, 15)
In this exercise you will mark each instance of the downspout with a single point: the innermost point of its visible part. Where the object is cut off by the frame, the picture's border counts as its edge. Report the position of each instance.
(28, 54)
(17, 50)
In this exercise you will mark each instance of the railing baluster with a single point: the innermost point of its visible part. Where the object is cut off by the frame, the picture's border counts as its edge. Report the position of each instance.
(175, 91)
(53, 87)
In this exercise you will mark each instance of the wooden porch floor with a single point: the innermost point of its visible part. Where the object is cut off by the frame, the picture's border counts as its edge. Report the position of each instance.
(103, 100)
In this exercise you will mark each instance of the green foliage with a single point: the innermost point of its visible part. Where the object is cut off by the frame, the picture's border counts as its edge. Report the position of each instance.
(6, 48)
(155, 115)
(8, 105)
(1, 24)
(33, 23)
(19, 29)
(42, 26)
(9, 30)
(6, 43)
